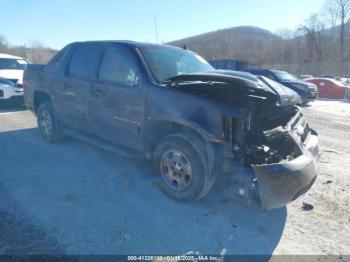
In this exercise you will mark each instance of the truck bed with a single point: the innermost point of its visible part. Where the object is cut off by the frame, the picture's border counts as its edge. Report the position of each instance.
(31, 80)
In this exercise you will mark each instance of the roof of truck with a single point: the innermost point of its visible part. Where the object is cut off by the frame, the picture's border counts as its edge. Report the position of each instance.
(126, 42)
(9, 56)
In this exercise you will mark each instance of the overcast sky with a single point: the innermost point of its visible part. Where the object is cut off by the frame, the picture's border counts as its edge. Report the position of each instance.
(58, 22)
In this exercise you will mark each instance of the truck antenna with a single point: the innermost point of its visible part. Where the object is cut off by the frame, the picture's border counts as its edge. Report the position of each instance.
(156, 28)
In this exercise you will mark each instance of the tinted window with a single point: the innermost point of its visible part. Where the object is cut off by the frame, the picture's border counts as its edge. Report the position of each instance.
(166, 62)
(284, 76)
(117, 65)
(262, 73)
(83, 61)
(12, 64)
(267, 74)
(55, 62)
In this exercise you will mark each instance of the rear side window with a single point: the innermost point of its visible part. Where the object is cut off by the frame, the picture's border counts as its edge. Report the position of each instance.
(56, 61)
(118, 65)
(83, 61)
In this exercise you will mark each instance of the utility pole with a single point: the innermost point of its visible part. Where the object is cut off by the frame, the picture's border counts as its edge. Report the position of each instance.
(156, 28)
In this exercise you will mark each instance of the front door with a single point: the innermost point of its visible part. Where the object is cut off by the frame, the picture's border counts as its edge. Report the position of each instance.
(117, 99)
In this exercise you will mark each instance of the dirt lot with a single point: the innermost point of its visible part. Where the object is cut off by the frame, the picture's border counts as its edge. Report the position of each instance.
(72, 198)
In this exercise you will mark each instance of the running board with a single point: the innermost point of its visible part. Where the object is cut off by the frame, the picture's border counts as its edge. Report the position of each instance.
(105, 145)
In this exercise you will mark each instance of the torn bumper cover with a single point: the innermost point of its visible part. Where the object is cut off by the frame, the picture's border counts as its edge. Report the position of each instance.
(281, 183)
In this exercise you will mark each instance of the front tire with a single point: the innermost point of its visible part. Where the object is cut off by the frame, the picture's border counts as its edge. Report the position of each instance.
(182, 164)
(49, 125)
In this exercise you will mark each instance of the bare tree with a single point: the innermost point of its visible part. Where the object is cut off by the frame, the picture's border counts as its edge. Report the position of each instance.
(224, 44)
(285, 33)
(339, 10)
(313, 30)
(284, 48)
(331, 13)
(3, 44)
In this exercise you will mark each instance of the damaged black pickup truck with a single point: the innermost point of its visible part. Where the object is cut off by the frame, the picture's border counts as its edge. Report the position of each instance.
(169, 105)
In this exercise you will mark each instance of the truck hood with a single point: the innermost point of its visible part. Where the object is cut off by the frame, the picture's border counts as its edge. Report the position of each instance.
(13, 75)
(233, 87)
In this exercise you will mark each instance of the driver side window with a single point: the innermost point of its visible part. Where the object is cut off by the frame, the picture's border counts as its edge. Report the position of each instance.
(118, 66)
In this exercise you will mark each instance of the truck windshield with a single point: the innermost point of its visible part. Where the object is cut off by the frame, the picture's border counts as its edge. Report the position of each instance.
(284, 76)
(12, 64)
(166, 62)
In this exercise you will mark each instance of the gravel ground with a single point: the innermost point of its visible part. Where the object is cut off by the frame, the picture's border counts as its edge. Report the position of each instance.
(326, 228)
(72, 198)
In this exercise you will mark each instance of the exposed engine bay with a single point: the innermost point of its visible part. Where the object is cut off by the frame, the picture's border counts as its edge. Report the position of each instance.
(280, 148)
(270, 135)
(275, 125)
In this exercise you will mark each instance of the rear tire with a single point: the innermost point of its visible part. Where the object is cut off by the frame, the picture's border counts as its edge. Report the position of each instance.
(49, 125)
(182, 164)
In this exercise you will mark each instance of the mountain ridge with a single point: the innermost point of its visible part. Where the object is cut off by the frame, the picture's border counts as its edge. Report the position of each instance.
(241, 42)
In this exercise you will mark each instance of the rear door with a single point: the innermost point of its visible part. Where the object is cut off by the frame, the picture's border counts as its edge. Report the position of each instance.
(74, 89)
(117, 97)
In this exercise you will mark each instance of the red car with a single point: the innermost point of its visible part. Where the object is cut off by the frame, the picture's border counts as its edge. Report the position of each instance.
(329, 88)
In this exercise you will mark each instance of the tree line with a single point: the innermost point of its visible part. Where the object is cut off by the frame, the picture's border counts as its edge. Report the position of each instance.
(35, 52)
(320, 45)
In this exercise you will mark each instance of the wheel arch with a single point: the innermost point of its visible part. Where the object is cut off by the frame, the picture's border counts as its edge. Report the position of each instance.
(160, 128)
(39, 98)
(156, 130)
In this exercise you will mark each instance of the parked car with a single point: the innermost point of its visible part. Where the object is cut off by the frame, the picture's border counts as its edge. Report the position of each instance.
(11, 77)
(345, 81)
(328, 76)
(302, 77)
(307, 91)
(170, 106)
(329, 88)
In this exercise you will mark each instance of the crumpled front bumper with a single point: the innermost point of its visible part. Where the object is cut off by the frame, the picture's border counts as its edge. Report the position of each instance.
(281, 183)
